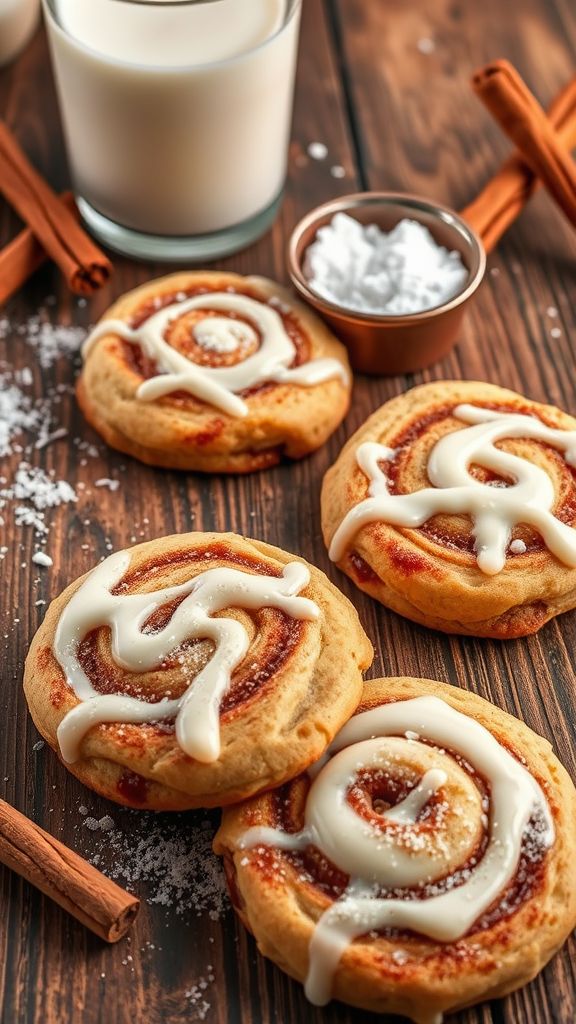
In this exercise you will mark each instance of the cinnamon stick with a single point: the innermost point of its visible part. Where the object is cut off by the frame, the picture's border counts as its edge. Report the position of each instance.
(84, 266)
(519, 114)
(23, 255)
(503, 198)
(66, 878)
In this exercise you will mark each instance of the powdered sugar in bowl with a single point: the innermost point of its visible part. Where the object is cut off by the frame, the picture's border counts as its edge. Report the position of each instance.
(424, 263)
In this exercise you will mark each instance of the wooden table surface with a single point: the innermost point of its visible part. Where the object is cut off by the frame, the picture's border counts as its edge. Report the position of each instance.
(394, 117)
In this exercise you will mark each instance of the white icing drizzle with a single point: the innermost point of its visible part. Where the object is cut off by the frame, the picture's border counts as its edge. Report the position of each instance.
(495, 511)
(197, 711)
(219, 385)
(333, 826)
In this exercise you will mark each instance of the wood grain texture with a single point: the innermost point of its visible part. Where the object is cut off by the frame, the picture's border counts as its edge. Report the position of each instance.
(393, 117)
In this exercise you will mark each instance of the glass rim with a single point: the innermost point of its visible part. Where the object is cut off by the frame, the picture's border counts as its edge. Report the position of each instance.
(51, 7)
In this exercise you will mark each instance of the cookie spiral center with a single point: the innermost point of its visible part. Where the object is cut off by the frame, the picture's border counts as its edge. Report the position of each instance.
(424, 837)
(223, 335)
(213, 339)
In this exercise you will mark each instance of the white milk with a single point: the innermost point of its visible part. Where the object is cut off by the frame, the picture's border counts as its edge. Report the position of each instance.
(177, 118)
(17, 22)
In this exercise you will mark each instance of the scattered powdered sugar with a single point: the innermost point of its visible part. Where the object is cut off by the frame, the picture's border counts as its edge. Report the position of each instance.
(517, 547)
(25, 488)
(86, 448)
(28, 490)
(24, 516)
(18, 412)
(426, 45)
(21, 413)
(318, 150)
(393, 273)
(400, 956)
(49, 341)
(167, 860)
(196, 995)
(105, 824)
(39, 489)
(46, 439)
(276, 302)
(41, 558)
(105, 481)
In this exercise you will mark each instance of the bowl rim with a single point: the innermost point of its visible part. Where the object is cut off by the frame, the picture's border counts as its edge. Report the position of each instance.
(349, 202)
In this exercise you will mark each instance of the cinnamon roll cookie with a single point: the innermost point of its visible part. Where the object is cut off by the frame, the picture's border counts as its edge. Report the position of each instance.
(423, 865)
(455, 505)
(194, 671)
(213, 371)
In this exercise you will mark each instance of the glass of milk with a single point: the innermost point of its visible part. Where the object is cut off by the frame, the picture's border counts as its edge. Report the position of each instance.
(176, 117)
(17, 22)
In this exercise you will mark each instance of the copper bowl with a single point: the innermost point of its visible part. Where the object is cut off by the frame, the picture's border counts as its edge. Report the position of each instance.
(393, 344)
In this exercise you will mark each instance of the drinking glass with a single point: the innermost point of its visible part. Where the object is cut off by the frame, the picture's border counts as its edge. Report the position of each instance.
(176, 117)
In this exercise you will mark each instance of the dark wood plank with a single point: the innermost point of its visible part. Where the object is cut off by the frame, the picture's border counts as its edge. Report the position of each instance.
(393, 117)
